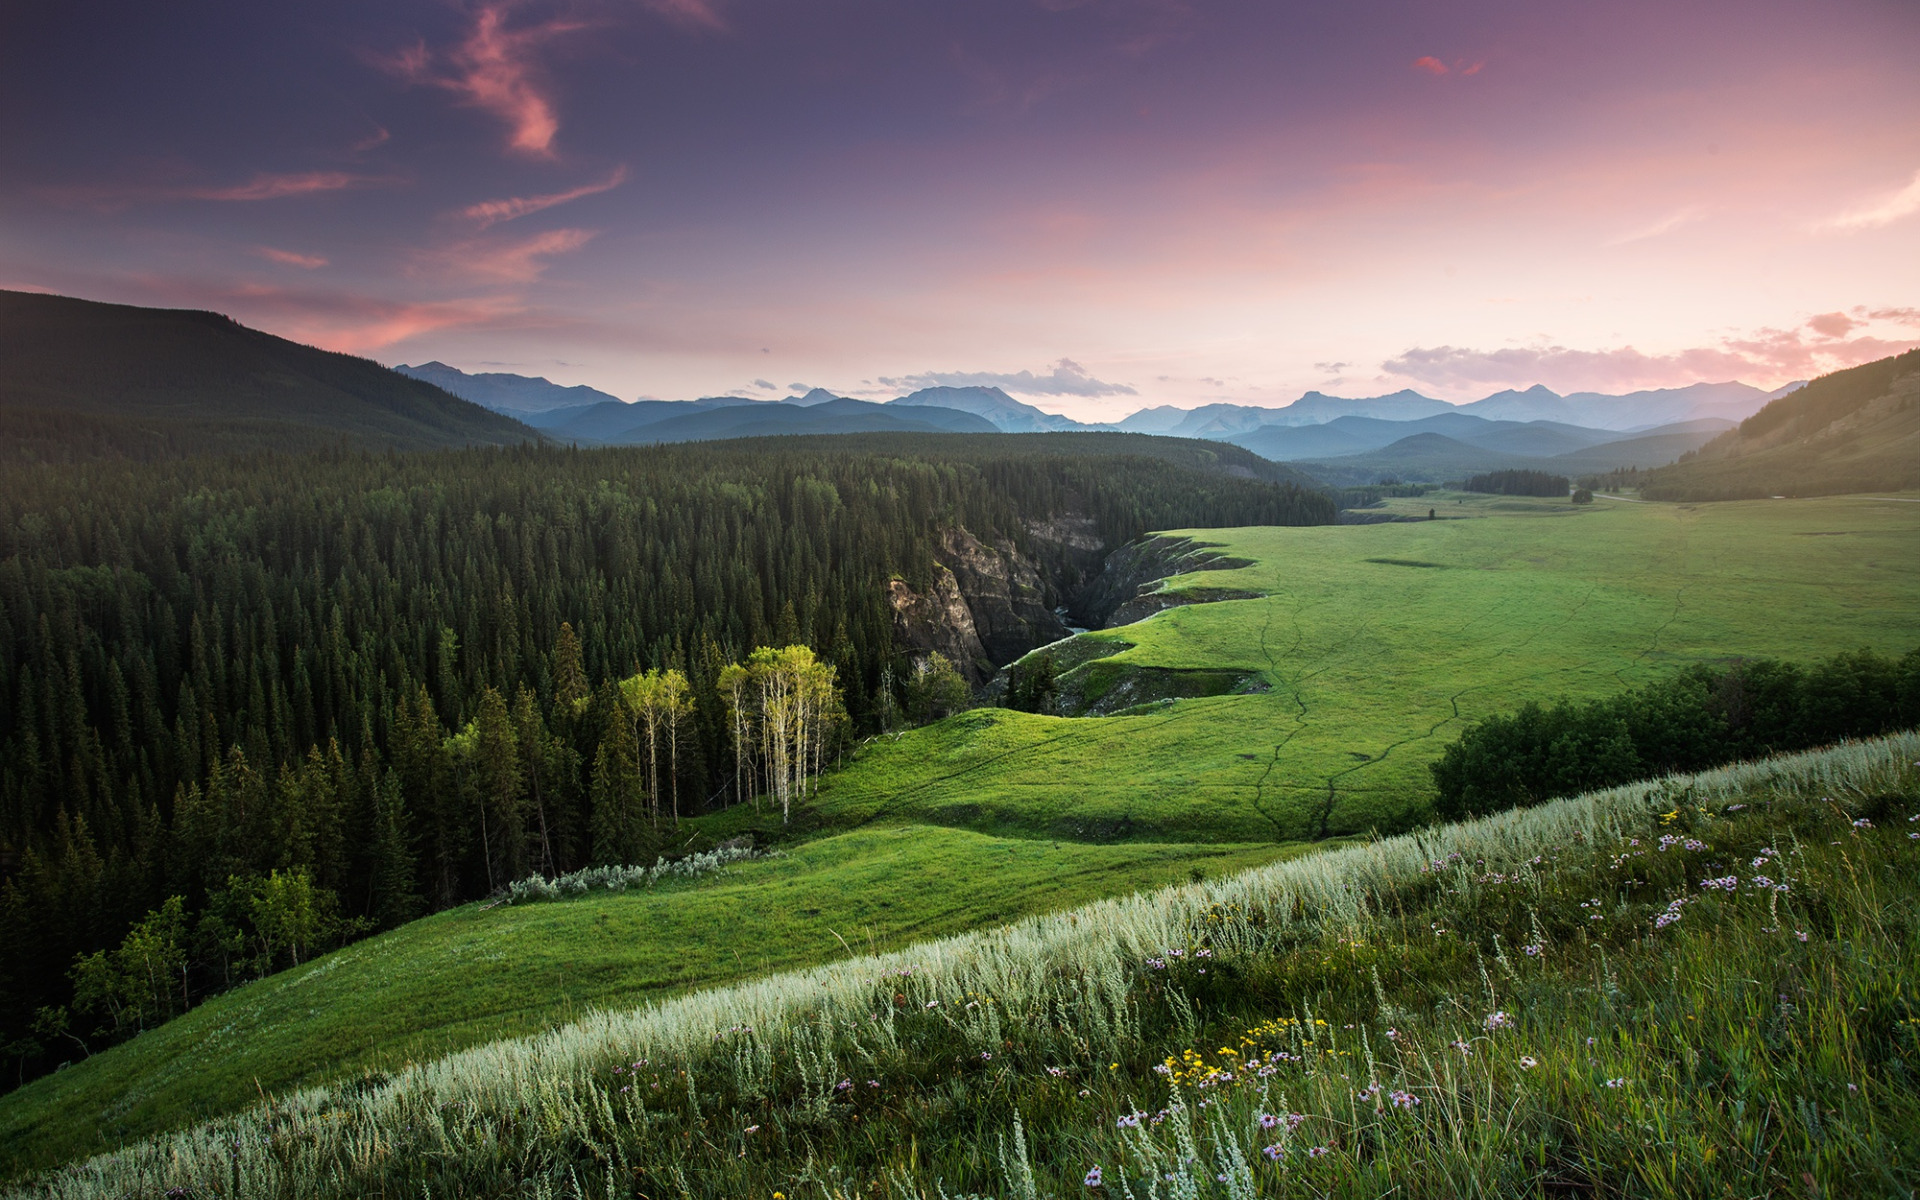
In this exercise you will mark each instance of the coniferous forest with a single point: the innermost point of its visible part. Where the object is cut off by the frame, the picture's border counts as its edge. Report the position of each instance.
(257, 706)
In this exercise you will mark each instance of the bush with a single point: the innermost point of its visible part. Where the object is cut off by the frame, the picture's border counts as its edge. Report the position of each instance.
(1582, 496)
(1697, 719)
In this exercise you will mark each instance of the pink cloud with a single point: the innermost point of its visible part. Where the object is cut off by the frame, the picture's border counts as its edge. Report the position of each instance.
(288, 258)
(521, 261)
(689, 14)
(1883, 211)
(1429, 63)
(1765, 356)
(494, 70)
(264, 186)
(492, 212)
(346, 321)
(277, 187)
(1833, 324)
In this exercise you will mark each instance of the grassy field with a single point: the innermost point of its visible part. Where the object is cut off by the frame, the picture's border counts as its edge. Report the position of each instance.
(1376, 644)
(467, 976)
(1701, 986)
(1380, 642)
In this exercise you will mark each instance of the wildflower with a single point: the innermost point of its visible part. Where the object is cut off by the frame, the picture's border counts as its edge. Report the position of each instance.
(1498, 1020)
(1269, 1121)
(1590, 1041)
(1056, 1072)
(1535, 950)
(1272, 1152)
(1853, 1087)
(1725, 883)
(986, 1056)
(751, 1129)
(1693, 844)
(1084, 1093)
(1528, 1062)
(1616, 1083)
(1318, 1151)
(1393, 1035)
(1129, 1120)
(1405, 1100)
(1462, 1047)
(1863, 823)
(933, 1004)
(1093, 1178)
(843, 1085)
(1801, 934)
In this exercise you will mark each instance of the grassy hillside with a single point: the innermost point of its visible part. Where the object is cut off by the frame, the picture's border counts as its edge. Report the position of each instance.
(467, 976)
(1852, 431)
(1702, 986)
(1378, 643)
(85, 380)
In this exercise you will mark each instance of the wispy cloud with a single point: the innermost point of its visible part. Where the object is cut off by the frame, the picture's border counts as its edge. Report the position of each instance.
(495, 69)
(502, 260)
(1433, 66)
(264, 186)
(333, 319)
(492, 212)
(1067, 378)
(1875, 213)
(689, 14)
(278, 187)
(1665, 225)
(1822, 343)
(289, 258)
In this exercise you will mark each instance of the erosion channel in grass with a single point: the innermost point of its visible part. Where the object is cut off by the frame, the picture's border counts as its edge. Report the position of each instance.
(1358, 661)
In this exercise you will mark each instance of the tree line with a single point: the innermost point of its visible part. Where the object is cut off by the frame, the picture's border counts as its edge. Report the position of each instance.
(317, 695)
(1517, 483)
(1703, 717)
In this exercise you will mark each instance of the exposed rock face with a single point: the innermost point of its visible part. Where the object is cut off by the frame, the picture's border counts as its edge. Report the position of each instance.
(938, 621)
(990, 603)
(1012, 604)
(1125, 591)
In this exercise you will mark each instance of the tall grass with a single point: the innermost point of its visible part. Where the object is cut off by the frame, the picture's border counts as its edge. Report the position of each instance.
(1762, 1042)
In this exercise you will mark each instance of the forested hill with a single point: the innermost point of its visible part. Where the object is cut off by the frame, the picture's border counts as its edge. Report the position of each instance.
(216, 669)
(80, 379)
(1851, 431)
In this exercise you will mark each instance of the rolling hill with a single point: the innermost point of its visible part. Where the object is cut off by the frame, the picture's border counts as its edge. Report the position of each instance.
(80, 379)
(1853, 430)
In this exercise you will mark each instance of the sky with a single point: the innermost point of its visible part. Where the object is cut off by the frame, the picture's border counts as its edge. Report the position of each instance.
(1099, 205)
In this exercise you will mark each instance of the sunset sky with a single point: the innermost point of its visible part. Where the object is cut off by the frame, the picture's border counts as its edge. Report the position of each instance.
(1097, 204)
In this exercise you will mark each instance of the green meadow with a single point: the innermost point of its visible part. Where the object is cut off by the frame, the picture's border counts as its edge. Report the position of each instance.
(471, 975)
(1379, 643)
(1368, 648)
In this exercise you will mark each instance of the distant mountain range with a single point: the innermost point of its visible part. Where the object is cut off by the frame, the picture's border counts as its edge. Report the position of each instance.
(80, 379)
(1402, 434)
(516, 395)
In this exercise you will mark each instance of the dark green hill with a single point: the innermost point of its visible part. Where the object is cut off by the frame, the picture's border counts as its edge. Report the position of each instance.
(80, 379)
(1852, 431)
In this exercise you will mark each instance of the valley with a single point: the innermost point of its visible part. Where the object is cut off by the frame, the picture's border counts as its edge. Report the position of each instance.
(1359, 651)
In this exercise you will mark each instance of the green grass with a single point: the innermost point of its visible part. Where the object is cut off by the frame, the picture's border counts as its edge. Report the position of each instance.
(467, 976)
(1376, 659)
(1377, 644)
(1486, 1009)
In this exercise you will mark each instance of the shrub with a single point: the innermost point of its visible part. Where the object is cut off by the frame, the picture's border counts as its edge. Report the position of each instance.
(1700, 718)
